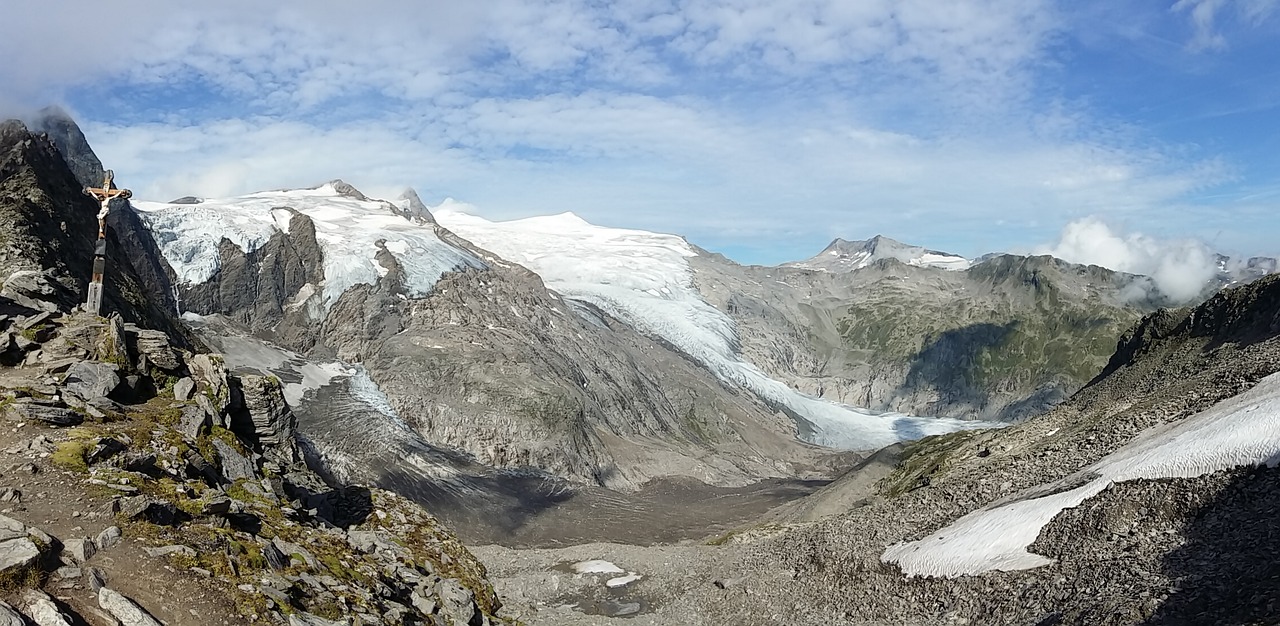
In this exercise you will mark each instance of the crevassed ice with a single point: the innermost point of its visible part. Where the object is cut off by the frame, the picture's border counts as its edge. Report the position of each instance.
(348, 231)
(644, 279)
(1242, 430)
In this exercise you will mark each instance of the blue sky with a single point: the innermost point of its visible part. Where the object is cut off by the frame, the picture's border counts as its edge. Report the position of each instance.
(757, 128)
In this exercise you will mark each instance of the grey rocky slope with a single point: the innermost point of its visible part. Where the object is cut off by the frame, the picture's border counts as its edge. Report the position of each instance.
(191, 480)
(1005, 339)
(1166, 551)
(491, 363)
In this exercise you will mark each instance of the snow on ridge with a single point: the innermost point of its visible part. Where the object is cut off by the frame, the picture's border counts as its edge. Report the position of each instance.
(1239, 431)
(348, 230)
(644, 279)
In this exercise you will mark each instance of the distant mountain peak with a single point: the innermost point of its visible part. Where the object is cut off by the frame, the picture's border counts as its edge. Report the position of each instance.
(843, 255)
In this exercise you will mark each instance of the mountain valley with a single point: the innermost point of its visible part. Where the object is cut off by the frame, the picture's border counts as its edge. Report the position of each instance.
(315, 398)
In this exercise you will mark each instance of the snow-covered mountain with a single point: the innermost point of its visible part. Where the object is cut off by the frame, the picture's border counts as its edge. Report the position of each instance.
(847, 256)
(351, 229)
(645, 279)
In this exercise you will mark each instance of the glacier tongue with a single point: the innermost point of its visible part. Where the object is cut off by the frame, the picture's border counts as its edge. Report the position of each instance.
(645, 280)
(348, 228)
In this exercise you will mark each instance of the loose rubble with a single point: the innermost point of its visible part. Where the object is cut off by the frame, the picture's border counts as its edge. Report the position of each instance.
(202, 470)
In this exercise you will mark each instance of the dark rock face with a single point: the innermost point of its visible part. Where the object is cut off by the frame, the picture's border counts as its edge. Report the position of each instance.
(72, 144)
(260, 289)
(48, 226)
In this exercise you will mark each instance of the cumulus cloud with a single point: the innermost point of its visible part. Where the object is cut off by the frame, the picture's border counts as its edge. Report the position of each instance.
(1181, 269)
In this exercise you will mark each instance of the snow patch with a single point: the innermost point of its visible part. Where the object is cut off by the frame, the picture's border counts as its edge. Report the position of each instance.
(622, 580)
(1241, 430)
(595, 566)
(645, 279)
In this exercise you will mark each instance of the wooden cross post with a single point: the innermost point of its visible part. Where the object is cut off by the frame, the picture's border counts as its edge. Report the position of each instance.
(104, 195)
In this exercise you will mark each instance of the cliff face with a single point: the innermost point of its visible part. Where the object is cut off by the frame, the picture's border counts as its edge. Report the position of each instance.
(49, 232)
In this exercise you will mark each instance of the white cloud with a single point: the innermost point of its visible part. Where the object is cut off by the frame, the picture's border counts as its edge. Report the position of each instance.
(764, 121)
(1205, 16)
(1180, 268)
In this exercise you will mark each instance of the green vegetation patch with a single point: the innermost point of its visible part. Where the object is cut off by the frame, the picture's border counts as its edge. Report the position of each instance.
(921, 460)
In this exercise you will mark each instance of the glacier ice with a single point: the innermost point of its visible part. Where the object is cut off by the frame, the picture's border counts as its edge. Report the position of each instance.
(350, 232)
(644, 279)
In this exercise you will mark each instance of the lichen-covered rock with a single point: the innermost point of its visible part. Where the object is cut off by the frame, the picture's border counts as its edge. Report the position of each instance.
(17, 553)
(210, 371)
(235, 466)
(194, 422)
(124, 609)
(44, 611)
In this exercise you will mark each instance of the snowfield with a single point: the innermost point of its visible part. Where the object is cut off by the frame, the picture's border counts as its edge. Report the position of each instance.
(1242, 430)
(350, 232)
(645, 280)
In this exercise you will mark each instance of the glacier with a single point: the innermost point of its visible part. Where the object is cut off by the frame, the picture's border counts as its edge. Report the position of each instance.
(1241, 430)
(645, 280)
(350, 231)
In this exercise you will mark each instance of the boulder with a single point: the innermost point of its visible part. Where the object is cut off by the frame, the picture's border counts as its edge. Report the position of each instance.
(108, 538)
(51, 415)
(198, 466)
(11, 528)
(183, 389)
(31, 289)
(155, 346)
(456, 602)
(92, 379)
(17, 553)
(124, 609)
(111, 344)
(80, 549)
(194, 421)
(234, 465)
(266, 417)
(210, 370)
(95, 579)
(149, 509)
(214, 503)
(44, 611)
(104, 449)
(173, 549)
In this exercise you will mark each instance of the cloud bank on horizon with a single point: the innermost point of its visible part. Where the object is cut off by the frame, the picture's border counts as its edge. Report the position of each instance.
(1179, 267)
(757, 128)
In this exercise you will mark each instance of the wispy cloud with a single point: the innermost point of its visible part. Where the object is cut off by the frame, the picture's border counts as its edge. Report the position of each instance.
(744, 121)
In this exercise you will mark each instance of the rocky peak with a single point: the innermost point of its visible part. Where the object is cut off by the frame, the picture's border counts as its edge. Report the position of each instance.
(71, 143)
(48, 229)
(412, 207)
(844, 256)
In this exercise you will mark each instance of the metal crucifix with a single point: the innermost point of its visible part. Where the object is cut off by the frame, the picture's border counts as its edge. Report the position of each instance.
(104, 195)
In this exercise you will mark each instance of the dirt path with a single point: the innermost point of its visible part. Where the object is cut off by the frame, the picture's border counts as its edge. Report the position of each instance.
(64, 504)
